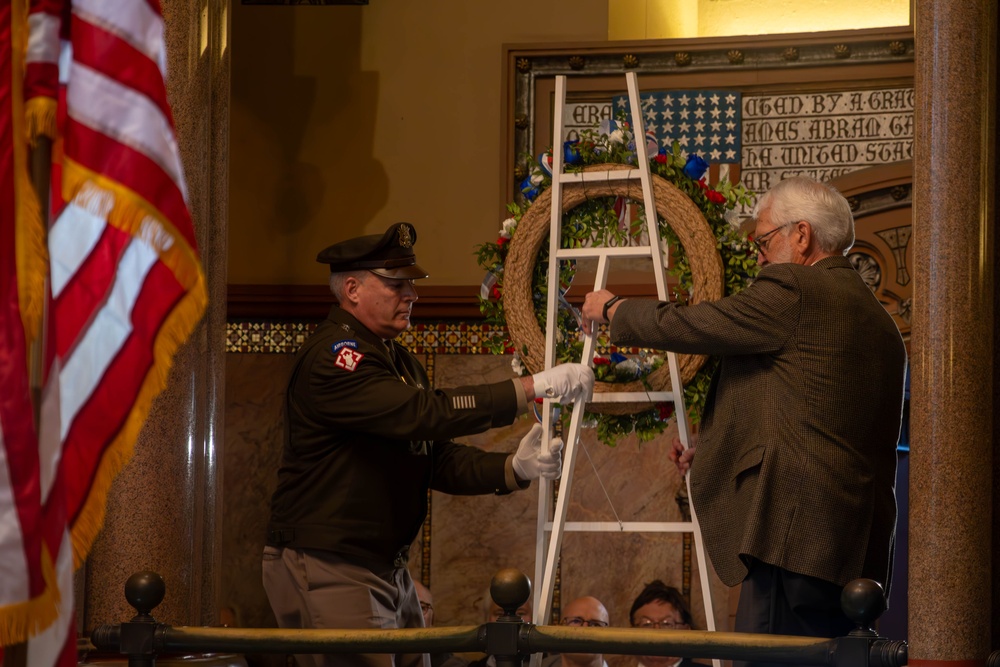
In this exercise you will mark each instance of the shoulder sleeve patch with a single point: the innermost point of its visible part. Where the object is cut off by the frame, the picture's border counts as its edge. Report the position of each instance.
(344, 343)
(348, 358)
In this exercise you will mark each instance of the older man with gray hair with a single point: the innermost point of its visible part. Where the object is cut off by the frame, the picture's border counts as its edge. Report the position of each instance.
(794, 477)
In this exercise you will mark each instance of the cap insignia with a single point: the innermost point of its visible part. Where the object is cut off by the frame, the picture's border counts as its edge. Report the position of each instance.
(405, 236)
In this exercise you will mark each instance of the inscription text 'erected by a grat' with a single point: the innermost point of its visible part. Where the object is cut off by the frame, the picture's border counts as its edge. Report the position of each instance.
(823, 134)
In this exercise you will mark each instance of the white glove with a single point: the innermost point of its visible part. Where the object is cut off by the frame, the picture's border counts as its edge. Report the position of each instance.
(530, 463)
(565, 383)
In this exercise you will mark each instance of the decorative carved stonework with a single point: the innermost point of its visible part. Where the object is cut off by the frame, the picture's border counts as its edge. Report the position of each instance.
(523, 65)
(897, 48)
(868, 268)
(520, 171)
(521, 122)
(682, 58)
(630, 61)
(883, 230)
(576, 62)
(791, 54)
(735, 56)
(842, 51)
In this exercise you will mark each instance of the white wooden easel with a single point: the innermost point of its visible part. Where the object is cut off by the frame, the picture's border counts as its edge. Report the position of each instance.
(550, 531)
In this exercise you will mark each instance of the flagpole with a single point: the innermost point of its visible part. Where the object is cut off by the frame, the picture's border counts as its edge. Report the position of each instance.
(41, 170)
(16, 655)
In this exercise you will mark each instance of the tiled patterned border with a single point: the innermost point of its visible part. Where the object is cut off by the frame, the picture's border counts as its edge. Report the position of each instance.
(287, 337)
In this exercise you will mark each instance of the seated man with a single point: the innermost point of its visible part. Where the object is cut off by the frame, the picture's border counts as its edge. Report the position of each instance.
(427, 609)
(661, 607)
(585, 612)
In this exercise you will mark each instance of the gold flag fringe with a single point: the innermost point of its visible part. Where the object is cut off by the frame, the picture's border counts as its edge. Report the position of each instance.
(30, 250)
(40, 118)
(32, 257)
(126, 210)
(23, 620)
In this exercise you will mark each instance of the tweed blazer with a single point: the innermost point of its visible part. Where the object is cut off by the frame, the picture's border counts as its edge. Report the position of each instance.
(796, 460)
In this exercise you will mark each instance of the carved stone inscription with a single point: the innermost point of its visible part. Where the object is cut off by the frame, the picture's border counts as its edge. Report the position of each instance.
(823, 135)
(579, 116)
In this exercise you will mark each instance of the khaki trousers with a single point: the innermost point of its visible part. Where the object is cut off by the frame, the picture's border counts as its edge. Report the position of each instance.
(316, 589)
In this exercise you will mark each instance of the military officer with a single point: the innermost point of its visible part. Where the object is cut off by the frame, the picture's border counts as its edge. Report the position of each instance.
(366, 436)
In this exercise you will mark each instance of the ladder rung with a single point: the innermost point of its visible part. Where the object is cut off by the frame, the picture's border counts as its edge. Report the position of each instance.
(625, 527)
(609, 175)
(632, 396)
(584, 253)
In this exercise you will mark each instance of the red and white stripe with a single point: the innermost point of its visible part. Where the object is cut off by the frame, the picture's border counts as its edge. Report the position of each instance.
(127, 287)
(126, 290)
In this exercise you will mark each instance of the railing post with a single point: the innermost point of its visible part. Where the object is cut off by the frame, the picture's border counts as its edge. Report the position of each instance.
(863, 601)
(510, 588)
(138, 638)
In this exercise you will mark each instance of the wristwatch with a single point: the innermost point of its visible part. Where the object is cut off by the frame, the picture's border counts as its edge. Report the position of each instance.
(607, 304)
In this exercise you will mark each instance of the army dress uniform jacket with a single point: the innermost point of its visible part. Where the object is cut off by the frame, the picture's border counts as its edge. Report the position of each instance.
(796, 458)
(366, 437)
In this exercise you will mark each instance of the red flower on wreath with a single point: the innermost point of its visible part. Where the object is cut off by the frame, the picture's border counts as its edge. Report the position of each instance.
(666, 410)
(501, 241)
(715, 197)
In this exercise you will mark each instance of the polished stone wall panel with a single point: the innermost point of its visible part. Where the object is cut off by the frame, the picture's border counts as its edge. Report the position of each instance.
(255, 393)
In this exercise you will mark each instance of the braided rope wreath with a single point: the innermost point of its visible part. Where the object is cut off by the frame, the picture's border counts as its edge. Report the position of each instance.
(673, 206)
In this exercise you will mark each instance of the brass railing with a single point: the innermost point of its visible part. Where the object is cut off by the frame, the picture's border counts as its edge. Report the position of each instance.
(508, 639)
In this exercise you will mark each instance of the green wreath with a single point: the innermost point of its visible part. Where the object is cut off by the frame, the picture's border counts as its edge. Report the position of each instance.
(712, 258)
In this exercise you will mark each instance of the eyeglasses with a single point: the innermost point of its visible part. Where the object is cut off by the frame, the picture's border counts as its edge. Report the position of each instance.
(577, 622)
(760, 242)
(665, 624)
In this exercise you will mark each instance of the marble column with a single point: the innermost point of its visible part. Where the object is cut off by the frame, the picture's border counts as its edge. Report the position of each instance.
(953, 328)
(164, 510)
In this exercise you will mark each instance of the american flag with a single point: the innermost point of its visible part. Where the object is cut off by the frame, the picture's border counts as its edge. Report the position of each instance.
(706, 122)
(126, 290)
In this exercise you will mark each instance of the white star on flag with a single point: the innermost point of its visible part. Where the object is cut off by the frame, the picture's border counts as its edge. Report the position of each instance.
(709, 121)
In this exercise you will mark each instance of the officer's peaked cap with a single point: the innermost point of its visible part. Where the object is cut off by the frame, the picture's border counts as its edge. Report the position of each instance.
(389, 255)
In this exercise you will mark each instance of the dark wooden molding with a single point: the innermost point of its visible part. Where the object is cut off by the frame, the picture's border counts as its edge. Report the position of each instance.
(312, 302)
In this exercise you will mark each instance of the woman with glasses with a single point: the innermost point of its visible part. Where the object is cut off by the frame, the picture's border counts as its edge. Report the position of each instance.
(661, 607)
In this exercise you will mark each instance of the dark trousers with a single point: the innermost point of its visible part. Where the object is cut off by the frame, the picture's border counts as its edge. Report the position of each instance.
(778, 602)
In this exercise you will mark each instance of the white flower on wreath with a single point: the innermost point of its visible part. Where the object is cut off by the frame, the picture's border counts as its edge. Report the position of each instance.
(516, 365)
(733, 218)
(507, 228)
(628, 369)
(615, 131)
